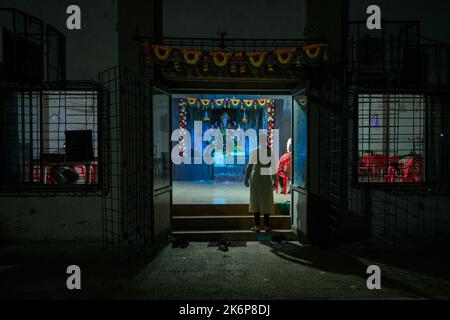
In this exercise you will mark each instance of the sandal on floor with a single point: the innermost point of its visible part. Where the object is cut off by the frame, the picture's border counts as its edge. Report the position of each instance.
(255, 229)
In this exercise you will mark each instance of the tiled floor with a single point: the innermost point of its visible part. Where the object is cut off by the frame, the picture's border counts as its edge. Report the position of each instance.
(260, 270)
(206, 192)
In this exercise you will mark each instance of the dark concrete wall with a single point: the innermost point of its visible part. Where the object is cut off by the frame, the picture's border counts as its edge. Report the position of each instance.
(432, 14)
(89, 50)
(135, 18)
(324, 19)
(240, 19)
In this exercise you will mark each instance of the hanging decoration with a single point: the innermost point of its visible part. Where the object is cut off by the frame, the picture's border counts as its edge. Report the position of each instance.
(283, 61)
(303, 101)
(161, 52)
(205, 67)
(183, 126)
(235, 103)
(244, 118)
(220, 58)
(227, 103)
(270, 121)
(206, 116)
(191, 56)
(284, 56)
(256, 58)
(313, 51)
(248, 103)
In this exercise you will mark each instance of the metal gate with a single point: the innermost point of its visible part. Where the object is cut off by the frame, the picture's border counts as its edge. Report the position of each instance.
(127, 201)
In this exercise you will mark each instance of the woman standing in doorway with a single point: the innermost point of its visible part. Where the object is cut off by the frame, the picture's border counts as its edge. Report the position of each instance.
(261, 185)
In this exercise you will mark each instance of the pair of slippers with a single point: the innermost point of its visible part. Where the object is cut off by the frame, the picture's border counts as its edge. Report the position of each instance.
(180, 244)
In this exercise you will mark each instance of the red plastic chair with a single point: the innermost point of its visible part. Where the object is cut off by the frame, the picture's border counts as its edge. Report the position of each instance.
(391, 171)
(80, 169)
(92, 174)
(366, 164)
(284, 171)
(379, 165)
(49, 175)
(36, 173)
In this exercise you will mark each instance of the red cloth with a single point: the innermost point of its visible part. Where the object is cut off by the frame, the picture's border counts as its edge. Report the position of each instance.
(284, 170)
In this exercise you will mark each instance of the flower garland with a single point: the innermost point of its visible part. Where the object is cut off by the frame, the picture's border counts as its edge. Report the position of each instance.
(191, 56)
(162, 52)
(256, 58)
(244, 104)
(284, 56)
(271, 121)
(183, 126)
(220, 58)
(313, 51)
(238, 61)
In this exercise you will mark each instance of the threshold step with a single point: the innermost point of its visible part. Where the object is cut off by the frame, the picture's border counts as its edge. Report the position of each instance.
(236, 235)
(218, 210)
(218, 223)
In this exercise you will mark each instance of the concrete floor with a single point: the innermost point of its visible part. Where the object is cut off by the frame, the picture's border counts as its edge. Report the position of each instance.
(207, 192)
(260, 270)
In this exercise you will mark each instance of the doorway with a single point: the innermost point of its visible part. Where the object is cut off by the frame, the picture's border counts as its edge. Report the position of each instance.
(201, 200)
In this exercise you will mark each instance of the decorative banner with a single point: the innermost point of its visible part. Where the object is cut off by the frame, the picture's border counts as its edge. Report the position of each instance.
(235, 63)
(256, 58)
(220, 58)
(284, 56)
(248, 103)
(313, 51)
(162, 53)
(227, 103)
(219, 103)
(269, 104)
(192, 56)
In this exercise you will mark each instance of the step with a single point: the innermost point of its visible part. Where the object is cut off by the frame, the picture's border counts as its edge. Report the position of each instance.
(217, 223)
(215, 210)
(232, 235)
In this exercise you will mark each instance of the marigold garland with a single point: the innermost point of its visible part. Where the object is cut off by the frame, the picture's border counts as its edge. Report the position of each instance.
(284, 56)
(312, 51)
(162, 52)
(256, 58)
(220, 58)
(191, 56)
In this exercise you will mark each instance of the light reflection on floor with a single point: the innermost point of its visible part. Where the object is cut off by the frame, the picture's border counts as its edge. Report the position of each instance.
(207, 192)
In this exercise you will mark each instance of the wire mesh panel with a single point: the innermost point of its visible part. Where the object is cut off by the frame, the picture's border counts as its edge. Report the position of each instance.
(32, 50)
(50, 137)
(400, 206)
(127, 205)
(392, 52)
(399, 138)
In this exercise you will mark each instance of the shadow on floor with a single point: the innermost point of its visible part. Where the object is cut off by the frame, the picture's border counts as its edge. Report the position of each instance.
(335, 261)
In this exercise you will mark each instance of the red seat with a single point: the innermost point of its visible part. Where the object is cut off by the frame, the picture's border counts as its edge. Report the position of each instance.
(49, 175)
(366, 164)
(284, 171)
(80, 169)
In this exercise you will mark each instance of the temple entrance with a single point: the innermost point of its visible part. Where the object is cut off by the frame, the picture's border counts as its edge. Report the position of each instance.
(210, 199)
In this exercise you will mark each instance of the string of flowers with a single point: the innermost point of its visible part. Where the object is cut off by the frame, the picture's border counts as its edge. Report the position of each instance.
(271, 121)
(227, 103)
(238, 61)
(183, 126)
